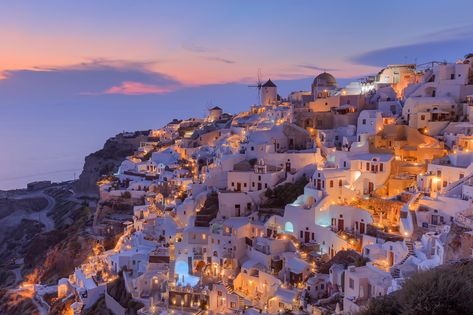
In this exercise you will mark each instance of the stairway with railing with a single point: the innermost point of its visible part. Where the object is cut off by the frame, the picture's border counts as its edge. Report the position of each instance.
(395, 270)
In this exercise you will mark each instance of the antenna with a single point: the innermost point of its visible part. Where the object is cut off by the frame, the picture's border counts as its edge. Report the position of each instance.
(258, 85)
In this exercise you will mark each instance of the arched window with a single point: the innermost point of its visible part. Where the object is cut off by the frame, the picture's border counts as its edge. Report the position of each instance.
(289, 227)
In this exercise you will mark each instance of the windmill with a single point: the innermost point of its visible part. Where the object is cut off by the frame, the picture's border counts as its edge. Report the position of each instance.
(258, 85)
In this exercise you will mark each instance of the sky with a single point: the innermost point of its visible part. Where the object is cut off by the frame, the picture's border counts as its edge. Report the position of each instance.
(73, 73)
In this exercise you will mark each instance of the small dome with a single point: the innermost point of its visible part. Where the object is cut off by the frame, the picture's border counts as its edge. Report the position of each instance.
(325, 79)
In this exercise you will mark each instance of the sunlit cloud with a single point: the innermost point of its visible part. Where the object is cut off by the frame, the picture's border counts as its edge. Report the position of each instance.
(314, 67)
(195, 48)
(138, 88)
(220, 59)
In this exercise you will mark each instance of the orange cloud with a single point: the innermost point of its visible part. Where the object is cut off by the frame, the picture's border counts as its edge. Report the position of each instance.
(138, 88)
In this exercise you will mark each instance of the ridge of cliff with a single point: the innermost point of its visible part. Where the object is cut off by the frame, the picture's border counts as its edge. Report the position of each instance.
(106, 161)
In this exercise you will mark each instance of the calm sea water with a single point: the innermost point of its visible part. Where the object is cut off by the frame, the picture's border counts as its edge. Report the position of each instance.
(46, 136)
(40, 141)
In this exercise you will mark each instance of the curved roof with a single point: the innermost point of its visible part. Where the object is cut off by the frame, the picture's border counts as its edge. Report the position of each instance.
(324, 79)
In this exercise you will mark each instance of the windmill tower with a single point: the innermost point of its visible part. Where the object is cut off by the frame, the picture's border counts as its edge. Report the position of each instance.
(258, 85)
(269, 93)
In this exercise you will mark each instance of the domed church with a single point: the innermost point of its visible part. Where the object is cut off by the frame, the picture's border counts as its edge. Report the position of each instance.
(324, 85)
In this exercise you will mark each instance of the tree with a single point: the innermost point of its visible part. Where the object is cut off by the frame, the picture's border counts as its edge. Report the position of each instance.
(446, 289)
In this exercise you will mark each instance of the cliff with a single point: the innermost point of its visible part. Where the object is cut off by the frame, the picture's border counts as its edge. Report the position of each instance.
(106, 161)
(458, 244)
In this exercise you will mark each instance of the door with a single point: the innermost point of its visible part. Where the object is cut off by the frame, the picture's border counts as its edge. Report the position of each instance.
(370, 187)
(238, 186)
(259, 186)
(340, 224)
(362, 228)
(390, 258)
(307, 237)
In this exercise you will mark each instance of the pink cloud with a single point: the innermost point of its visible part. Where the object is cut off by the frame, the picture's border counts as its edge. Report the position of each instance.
(138, 88)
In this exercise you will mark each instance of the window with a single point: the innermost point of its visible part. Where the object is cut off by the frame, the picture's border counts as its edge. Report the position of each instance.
(422, 117)
(363, 122)
(367, 166)
(331, 184)
(381, 167)
(244, 184)
(289, 227)
(232, 305)
(281, 305)
(233, 184)
(252, 148)
(340, 182)
(462, 175)
(344, 163)
(352, 283)
(259, 177)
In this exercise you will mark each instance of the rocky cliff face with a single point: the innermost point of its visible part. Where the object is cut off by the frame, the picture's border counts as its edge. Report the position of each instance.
(459, 243)
(106, 161)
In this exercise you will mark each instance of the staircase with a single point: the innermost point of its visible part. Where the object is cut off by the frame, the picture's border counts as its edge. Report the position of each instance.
(410, 248)
(228, 286)
(208, 212)
(172, 266)
(395, 271)
(241, 301)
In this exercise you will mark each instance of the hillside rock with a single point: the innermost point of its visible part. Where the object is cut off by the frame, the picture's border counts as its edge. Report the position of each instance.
(459, 243)
(106, 161)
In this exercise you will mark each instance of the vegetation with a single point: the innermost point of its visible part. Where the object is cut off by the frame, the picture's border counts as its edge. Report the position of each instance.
(447, 289)
(284, 194)
(99, 308)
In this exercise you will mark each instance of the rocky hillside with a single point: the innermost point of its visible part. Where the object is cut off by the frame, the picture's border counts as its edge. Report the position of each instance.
(459, 243)
(106, 161)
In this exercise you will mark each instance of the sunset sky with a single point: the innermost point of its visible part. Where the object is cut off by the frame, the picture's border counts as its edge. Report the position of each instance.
(201, 42)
